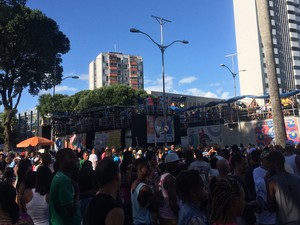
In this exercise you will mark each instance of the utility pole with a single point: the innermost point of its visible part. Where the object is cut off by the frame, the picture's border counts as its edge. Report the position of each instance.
(162, 49)
(162, 22)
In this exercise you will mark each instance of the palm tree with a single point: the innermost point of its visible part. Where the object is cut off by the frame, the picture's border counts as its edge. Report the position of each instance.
(264, 23)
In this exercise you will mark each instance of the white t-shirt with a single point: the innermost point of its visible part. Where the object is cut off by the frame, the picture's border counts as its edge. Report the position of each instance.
(265, 217)
(93, 158)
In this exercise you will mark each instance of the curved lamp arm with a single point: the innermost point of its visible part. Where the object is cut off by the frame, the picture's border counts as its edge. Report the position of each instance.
(233, 74)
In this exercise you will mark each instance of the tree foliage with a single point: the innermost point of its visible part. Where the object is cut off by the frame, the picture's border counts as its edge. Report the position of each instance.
(121, 95)
(31, 45)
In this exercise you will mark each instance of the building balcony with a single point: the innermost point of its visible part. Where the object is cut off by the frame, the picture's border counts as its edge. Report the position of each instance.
(113, 82)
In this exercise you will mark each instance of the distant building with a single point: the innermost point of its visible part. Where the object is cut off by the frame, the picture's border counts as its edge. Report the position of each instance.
(183, 101)
(28, 124)
(116, 68)
(285, 24)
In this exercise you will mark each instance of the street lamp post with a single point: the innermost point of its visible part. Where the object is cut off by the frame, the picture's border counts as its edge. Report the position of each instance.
(233, 75)
(53, 95)
(162, 49)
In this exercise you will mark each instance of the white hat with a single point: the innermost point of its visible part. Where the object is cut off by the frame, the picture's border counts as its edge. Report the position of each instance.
(250, 150)
(139, 152)
(42, 150)
(171, 157)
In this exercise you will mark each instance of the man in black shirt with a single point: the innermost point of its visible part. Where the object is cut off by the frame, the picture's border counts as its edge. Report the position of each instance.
(103, 208)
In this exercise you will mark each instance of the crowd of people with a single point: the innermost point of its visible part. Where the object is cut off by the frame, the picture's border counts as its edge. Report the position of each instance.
(206, 186)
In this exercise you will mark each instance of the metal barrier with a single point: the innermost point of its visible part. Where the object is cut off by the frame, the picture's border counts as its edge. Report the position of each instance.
(118, 120)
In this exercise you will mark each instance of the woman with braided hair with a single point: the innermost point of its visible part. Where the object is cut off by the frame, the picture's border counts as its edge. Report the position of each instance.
(227, 202)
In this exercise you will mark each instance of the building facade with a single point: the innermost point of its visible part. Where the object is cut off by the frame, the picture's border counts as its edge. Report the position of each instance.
(181, 100)
(116, 68)
(28, 124)
(285, 23)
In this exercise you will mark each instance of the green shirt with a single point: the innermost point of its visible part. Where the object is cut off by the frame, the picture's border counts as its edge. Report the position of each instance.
(62, 193)
(81, 162)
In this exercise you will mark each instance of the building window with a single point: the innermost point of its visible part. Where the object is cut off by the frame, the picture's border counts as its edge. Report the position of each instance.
(295, 48)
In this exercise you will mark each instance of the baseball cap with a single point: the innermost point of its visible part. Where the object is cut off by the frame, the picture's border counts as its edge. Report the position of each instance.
(264, 154)
(171, 157)
(289, 143)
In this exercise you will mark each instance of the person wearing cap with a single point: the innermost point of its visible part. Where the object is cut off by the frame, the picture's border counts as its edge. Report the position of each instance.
(169, 209)
(291, 157)
(202, 166)
(264, 216)
(139, 154)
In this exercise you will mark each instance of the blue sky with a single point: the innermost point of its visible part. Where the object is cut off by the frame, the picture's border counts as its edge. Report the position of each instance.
(95, 26)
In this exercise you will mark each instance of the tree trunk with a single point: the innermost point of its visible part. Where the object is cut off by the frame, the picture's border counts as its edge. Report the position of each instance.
(264, 22)
(9, 115)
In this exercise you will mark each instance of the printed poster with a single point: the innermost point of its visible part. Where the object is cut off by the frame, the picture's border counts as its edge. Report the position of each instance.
(264, 131)
(156, 127)
(72, 141)
(107, 138)
(203, 136)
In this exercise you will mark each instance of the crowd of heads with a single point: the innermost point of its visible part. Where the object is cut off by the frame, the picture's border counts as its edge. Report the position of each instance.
(213, 178)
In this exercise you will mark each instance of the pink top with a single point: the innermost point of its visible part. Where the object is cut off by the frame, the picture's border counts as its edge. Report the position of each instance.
(165, 210)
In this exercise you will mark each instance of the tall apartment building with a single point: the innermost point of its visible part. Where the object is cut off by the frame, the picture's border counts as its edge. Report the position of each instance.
(116, 68)
(285, 22)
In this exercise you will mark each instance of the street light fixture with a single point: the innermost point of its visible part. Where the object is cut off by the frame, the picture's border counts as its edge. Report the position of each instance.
(53, 95)
(233, 75)
(54, 82)
(162, 49)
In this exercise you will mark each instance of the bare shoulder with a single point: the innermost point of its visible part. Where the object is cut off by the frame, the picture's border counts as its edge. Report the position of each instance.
(115, 217)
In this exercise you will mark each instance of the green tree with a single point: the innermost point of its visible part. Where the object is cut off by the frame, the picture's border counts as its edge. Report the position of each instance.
(49, 104)
(121, 95)
(30, 52)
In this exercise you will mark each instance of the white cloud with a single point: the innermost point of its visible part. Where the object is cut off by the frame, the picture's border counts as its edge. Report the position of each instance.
(187, 80)
(208, 94)
(225, 95)
(157, 84)
(199, 92)
(65, 88)
(59, 89)
(83, 77)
